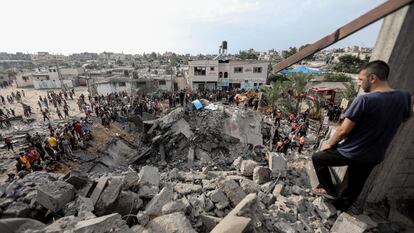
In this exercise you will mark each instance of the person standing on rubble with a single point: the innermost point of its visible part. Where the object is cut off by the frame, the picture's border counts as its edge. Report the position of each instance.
(368, 129)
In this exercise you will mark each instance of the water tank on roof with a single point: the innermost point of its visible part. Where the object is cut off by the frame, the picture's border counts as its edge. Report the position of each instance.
(224, 45)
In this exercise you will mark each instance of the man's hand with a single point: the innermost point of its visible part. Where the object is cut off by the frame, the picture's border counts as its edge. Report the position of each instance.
(326, 146)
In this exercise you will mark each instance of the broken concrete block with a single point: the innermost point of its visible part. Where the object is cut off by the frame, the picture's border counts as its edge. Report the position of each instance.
(131, 179)
(184, 188)
(149, 176)
(219, 198)
(261, 175)
(297, 190)
(346, 223)
(100, 186)
(233, 191)
(277, 164)
(283, 226)
(190, 155)
(232, 224)
(128, 203)
(324, 209)
(61, 224)
(107, 223)
(249, 186)
(139, 229)
(237, 163)
(17, 210)
(180, 205)
(266, 198)
(209, 184)
(143, 218)
(247, 167)
(209, 222)
(154, 207)
(299, 202)
(76, 178)
(182, 126)
(148, 191)
(245, 217)
(312, 177)
(55, 195)
(109, 196)
(278, 189)
(175, 222)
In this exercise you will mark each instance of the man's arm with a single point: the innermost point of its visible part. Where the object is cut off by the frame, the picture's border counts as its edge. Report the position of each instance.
(340, 134)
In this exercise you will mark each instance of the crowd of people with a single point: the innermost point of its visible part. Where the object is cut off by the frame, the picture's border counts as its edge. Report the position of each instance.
(43, 152)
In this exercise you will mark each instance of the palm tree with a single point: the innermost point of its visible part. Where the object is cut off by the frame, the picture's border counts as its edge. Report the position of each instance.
(298, 83)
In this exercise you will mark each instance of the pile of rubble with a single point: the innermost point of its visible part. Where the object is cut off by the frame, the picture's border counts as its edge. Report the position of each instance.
(208, 173)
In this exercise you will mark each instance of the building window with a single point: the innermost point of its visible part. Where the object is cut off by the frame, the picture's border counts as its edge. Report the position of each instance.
(257, 69)
(162, 82)
(25, 78)
(246, 81)
(220, 74)
(198, 70)
(47, 77)
(121, 84)
(226, 75)
(211, 68)
(238, 69)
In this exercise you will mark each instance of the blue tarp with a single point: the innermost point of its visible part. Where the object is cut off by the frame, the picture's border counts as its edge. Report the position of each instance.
(197, 104)
(301, 69)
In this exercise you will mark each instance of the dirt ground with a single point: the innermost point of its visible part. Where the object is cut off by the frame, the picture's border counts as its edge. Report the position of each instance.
(19, 128)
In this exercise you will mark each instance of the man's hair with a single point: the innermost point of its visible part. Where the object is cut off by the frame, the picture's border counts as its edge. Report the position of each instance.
(379, 68)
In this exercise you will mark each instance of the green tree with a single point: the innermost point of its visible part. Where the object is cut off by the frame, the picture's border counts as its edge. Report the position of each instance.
(336, 77)
(289, 52)
(248, 55)
(348, 64)
(298, 83)
(350, 92)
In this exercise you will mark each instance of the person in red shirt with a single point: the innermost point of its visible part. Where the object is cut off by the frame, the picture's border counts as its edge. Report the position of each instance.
(291, 117)
(78, 129)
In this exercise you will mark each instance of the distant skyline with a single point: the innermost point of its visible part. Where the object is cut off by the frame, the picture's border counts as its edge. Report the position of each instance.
(180, 26)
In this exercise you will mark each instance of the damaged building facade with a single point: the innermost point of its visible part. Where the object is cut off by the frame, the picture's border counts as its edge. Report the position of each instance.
(227, 74)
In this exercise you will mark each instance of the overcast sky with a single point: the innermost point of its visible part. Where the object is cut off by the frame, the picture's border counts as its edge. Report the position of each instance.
(181, 26)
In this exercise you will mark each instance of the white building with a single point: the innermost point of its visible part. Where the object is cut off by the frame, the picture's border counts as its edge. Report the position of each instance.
(227, 74)
(42, 79)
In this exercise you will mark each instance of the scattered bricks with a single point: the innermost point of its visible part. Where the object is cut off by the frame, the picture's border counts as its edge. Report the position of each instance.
(107, 223)
(184, 188)
(233, 191)
(249, 186)
(237, 163)
(76, 178)
(247, 167)
(278, 189)
(175, 206)
(324, 209)
(128, 203)
(143, 218)
(175, 222)
(99, 189)
(149, 176)
(261, 175)
(148, 192)
(154, 207)
(277, 164)
(109, 196)
(346, 223)
(209, 222)
(219, 198)
(55, 195)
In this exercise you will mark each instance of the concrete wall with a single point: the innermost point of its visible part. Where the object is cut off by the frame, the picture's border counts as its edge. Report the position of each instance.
(109, 87)
(52, 84)
(24, 80)
(394, 177)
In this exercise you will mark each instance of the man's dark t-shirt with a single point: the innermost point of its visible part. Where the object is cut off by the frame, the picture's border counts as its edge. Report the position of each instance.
(377, 117)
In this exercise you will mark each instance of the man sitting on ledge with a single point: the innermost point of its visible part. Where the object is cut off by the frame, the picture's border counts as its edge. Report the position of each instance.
(369, 126)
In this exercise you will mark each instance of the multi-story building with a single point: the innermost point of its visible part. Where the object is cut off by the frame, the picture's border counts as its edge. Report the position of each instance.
(227, 74)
